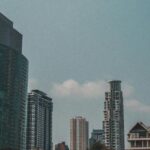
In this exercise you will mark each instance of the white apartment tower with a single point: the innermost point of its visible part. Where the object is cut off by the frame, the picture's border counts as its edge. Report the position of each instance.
(78, 134)
(113, 123)
(39, 121)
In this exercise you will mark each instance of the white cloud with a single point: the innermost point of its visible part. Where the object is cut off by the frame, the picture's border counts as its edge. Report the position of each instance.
(96, 89)
(128, 90)
(137, 106)
(131, 103)
(90, 89)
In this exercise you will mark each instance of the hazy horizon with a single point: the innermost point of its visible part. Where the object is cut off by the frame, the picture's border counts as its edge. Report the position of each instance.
(75, 47)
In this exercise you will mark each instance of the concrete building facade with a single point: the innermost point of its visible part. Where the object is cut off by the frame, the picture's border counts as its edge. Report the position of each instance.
(113, 123)
(39, 121)
(139, 137)
(78, 133)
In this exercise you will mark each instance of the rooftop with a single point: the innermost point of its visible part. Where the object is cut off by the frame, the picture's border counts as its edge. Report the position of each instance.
(5, 19)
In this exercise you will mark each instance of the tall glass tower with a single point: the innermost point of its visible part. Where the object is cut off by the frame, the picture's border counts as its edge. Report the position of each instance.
(114, 117)
(13, 87)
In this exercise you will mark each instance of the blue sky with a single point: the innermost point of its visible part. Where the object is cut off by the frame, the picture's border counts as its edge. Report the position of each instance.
(77, 46)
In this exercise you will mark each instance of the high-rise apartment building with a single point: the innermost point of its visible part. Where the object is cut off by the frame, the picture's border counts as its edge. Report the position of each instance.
(96, 136)
(113, 123)
(61, 146)
(78, 134)
(39, 121)
(139, 137)
(13, 87)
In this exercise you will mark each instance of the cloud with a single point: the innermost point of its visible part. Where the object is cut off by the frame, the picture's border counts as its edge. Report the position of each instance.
(90, 89)
(137, 106)
(128, 90)
(131, 103)
(96, 89)
(32, 84)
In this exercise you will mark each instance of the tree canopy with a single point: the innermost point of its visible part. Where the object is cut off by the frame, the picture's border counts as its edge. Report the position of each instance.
(98, 146)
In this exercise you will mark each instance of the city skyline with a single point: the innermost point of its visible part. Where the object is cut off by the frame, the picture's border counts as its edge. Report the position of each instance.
(80, 45)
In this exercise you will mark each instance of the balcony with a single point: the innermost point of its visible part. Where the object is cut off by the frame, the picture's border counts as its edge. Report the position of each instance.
(138, 148)
(138, 138)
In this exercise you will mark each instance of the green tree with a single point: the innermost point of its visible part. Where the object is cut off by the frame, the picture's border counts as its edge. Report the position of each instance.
(98, 146)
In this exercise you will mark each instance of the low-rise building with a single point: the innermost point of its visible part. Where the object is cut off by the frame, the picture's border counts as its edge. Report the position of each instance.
(139, 137)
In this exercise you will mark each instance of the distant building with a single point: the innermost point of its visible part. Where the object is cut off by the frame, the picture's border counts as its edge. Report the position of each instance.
(139, 137)
(113, 123)
(78, 134)
(61, 146)
(39, 121)
(13, 87)
(96, 136)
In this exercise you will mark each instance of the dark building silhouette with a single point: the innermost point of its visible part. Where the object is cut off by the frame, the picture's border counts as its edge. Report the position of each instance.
(39, 121)
(61, 146)
(97, 136)
(13, 87)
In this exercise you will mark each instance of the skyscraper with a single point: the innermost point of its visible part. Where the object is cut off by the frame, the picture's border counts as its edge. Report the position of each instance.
(114, 117)
(39, 121)
(78, 134)
(13, 87)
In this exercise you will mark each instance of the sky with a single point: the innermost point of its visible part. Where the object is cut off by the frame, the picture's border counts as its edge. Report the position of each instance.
(75, 47)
